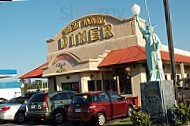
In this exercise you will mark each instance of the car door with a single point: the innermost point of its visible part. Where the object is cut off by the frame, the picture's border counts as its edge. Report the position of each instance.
(105, 104)
(118, 104)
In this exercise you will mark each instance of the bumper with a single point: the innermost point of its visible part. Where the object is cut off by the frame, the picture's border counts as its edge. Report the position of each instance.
(81, 116)
(38, 116)
(6, 116)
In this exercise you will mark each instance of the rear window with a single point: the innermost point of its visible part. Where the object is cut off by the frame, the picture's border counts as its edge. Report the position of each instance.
(37, 98)
(81, 99)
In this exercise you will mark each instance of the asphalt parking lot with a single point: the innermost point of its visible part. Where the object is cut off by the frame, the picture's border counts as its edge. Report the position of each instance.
(30, 123)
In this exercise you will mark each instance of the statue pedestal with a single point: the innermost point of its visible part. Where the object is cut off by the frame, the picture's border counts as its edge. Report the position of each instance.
(157, 99)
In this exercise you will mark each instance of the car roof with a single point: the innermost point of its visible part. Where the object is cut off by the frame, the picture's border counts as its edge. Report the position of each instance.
(50, 94)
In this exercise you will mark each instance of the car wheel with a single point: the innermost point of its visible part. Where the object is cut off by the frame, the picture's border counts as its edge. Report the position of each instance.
(19, 117)
(129, 111)
(58, 117)
(101, 119)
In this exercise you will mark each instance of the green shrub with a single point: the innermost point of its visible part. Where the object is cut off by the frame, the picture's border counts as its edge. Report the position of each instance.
(182, 113)
(140, 118)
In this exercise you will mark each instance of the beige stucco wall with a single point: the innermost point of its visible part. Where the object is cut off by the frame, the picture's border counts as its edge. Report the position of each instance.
(126, 34)
(138, 75)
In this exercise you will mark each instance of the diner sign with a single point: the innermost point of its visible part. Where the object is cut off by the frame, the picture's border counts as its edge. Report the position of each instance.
(70, 39)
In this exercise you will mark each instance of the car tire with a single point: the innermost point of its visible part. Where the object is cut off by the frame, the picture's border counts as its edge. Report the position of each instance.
(101, 119)
(58, 116)
(19, 117)
(129, 111)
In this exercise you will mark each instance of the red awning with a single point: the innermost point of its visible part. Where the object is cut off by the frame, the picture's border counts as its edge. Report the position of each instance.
(135, 53)
(34, 73)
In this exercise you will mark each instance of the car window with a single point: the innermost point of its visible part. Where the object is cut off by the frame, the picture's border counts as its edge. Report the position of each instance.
(60, 96)
(114, 96)
(71, 94)
(104, 97)
(37, 98)
(81, 99)
(95, 98)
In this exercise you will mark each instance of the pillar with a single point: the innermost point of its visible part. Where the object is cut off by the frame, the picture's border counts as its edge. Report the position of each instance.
(138, 75)
(182, 70)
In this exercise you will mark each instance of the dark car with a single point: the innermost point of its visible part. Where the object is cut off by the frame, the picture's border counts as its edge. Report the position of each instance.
(98, 107)
(3, 100)
(49, 106)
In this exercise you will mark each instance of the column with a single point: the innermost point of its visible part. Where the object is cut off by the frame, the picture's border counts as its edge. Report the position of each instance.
(84, 82)
(182, 70)
(138, 75)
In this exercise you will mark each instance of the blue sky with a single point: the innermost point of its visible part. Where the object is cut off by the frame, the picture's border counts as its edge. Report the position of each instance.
(25, 25)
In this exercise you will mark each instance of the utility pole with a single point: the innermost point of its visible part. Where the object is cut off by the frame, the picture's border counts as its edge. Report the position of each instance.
(170, 44)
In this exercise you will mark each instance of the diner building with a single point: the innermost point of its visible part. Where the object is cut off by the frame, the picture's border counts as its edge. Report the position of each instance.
(102, 52)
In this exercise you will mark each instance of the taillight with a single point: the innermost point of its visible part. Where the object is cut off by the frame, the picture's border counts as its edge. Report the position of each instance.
(5, 109)
(45, 104)
(91, 108)
(69, 109)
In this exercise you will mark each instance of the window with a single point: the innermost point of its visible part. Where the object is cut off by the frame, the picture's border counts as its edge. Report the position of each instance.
(96, 98)
(104, 97)
(38, 98)
(81, 99)
(99, 86)
(74, 86)
(166, 77)
(71, 94)
(60, 96)
(91, 86)
(114, 96)
(107, 85)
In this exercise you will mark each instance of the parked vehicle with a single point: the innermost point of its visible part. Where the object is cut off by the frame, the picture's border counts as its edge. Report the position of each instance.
(184, 90)
(3, 100)
(9, 110)
(49, 106)
(98, 107)
(29, 94)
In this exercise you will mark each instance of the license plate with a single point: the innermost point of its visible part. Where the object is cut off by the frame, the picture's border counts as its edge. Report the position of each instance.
(77, 110)
(32, 106)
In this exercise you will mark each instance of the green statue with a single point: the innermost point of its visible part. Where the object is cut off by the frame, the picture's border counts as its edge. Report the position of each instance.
(153, 45)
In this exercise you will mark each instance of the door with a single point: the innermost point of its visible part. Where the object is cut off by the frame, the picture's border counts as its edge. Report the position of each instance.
(118, 105)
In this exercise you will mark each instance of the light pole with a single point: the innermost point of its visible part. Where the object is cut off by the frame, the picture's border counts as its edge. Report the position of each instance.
(170, 44)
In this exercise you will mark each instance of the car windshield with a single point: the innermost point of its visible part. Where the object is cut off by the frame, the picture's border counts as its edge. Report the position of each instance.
(81, 99)
(16, 101)
(37, 98)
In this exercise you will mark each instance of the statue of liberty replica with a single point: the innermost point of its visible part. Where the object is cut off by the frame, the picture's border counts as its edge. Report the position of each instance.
(152, 46)
(157, 95)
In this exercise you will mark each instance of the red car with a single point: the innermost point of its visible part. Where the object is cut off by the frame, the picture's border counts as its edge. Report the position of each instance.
(98, 107)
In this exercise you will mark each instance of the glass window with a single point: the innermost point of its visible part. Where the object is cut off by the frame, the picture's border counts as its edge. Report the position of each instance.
(114, 96)
(74, 86)
(107, 85)
(64, 96)
(91, 86)
(166, 77)
(60, 96)
(96, 98)
(71, 94)
(104, 97)
(99, 85)
(37, 98)
(81, 99)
